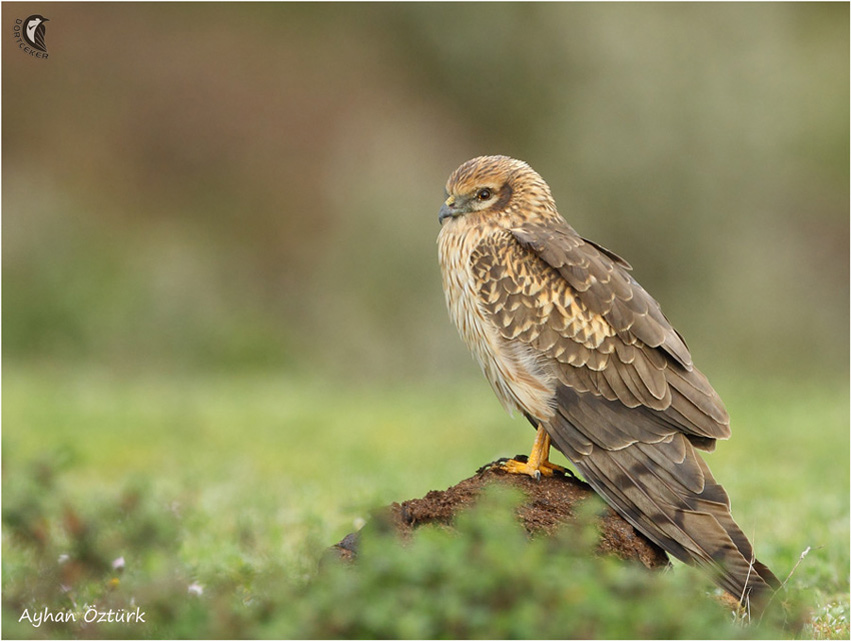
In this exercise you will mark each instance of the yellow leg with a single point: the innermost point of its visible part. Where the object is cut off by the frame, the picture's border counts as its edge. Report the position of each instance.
(538, 463)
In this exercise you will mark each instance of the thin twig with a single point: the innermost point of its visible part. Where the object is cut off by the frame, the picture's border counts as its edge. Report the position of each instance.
(786, 580)
(795, 567)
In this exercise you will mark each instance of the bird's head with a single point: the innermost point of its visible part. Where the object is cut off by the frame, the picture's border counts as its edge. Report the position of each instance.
(495, 187)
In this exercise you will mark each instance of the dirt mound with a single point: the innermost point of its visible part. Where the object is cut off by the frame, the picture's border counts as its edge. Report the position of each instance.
(551, 502)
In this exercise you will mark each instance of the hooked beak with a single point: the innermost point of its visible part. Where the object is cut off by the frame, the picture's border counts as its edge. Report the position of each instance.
(449, 209)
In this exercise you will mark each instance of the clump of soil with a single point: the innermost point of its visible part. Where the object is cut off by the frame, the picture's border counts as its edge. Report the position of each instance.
(551, 502)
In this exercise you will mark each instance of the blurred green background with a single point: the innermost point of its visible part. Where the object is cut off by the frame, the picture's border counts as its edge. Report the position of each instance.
(230, 186)
(219, 260)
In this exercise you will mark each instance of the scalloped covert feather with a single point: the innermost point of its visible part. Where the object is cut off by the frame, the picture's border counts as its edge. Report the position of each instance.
(565, 335)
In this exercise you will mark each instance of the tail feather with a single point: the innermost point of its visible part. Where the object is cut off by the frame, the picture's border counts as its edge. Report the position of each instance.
(665, 490)
(696, 531)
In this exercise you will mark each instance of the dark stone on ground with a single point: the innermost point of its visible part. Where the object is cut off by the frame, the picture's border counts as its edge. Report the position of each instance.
(551, 503)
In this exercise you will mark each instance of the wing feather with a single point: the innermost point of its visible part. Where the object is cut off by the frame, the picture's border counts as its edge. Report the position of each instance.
(603, 278)
(552, 296)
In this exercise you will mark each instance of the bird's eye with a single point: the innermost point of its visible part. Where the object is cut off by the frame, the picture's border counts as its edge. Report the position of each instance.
(483, 194)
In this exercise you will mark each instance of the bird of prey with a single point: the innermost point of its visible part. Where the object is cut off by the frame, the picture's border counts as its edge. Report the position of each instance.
(34, 30)
(566, 336)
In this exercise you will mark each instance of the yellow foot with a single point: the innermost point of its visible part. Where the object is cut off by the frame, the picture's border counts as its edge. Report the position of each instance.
(537, 464)
(544, 468)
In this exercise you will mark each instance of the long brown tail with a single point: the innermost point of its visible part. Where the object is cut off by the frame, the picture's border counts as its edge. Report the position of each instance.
(696, 528)
(665, 490)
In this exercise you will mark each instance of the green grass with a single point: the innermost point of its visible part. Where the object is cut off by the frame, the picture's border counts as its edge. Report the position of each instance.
(238, 484)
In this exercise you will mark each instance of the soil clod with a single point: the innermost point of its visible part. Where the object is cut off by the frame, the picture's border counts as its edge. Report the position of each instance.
(551, 503)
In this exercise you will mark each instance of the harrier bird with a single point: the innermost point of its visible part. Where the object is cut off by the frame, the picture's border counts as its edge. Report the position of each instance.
(565, 335)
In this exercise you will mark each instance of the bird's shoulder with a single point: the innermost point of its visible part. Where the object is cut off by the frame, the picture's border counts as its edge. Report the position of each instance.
(529, 300)
(556, 258)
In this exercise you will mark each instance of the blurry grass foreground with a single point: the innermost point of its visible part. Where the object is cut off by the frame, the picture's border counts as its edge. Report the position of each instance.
(484, 580)
(487, 579)
(208, 502)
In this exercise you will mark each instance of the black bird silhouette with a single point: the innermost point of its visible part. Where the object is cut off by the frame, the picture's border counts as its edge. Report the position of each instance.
(34, 32)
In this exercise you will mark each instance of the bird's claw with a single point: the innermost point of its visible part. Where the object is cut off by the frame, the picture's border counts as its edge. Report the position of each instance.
(521, 465)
